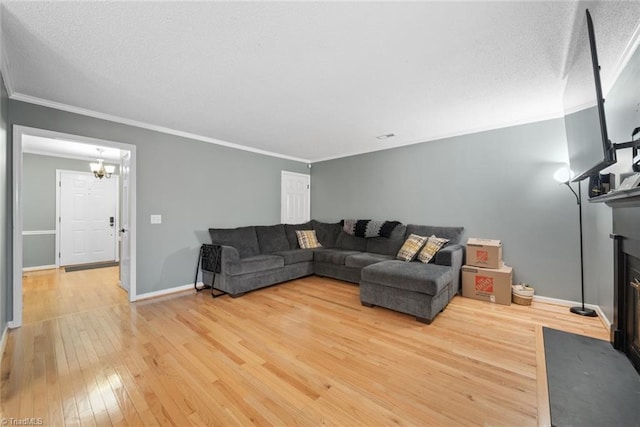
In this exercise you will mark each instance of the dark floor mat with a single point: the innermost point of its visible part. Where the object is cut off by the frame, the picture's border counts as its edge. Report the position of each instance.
(91, 266)
(590, 383)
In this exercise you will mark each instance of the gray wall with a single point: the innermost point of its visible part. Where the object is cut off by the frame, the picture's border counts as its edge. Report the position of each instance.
(194, 185)
(5, 252)
(622, 117)
(497, 184)
(39, 204)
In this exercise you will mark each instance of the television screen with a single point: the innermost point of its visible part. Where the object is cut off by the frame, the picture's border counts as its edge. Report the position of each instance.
(590, 150)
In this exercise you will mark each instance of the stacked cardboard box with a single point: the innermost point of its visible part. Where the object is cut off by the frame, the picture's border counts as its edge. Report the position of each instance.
(484, 276)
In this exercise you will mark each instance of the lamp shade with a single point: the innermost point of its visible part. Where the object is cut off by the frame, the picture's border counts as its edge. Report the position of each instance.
(563, 175)
(95, 167)
(109, 169)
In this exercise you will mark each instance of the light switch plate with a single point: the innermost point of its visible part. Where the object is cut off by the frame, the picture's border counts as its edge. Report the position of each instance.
(156, 219)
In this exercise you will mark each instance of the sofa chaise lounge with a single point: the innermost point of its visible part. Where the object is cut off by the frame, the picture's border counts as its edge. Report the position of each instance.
(258, 256)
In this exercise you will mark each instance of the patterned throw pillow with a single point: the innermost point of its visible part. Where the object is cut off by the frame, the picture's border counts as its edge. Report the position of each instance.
(434, 244)
(411, 247)
(307, 239)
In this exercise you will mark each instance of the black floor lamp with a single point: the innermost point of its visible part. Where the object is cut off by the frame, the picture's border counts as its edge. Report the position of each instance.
(564, 176)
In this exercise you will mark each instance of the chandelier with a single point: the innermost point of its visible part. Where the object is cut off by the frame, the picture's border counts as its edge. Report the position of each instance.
(100, 170)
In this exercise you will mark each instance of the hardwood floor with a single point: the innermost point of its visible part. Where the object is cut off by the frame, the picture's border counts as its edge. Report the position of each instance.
(52, 293)
(299, 353)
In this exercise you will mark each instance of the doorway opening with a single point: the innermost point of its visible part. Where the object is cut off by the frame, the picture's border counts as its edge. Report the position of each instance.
(98, 231)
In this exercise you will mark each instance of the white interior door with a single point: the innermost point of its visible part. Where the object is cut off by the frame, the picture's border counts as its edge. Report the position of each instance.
(125, 235)
(87, 218)
(295, 198)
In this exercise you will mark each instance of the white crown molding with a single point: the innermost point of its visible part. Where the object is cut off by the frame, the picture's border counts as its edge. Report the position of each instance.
(625, 57)
(68, 156)
(6, 75)
(103, 116)
(548, 116)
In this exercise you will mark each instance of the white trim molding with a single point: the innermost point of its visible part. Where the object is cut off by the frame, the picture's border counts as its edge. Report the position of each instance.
(39, 267)
(566, 303)
(64, 155)
(18, 132)
(168, 291)
(38, 232)
(103, 116)
(3, 342)
(624, 58)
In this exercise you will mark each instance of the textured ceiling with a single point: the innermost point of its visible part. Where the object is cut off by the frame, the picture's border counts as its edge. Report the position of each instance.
(306, 80)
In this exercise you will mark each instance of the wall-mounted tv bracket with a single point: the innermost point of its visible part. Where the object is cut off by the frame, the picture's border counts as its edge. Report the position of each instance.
(634, 144)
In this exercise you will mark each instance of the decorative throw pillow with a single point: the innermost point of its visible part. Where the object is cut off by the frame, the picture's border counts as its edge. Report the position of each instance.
(411, 247)
(307, 239)
(434, 244)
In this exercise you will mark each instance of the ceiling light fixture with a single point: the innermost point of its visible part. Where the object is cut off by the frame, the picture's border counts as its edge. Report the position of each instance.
(388, 135)
(100, 170)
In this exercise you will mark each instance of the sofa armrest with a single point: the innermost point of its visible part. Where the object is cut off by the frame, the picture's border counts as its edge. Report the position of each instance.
(229, 255)
(450, 256)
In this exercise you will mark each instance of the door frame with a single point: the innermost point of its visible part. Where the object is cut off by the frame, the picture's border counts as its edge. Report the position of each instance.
(282, 192)
(18, 133)
(59, 173)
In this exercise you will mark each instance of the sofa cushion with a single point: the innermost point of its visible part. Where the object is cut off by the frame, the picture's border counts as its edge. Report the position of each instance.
(427, 279)
(244, 239)
(254, 264)
(290, 231)
(451, 233)
(272, 238)
(327, 233)
(332, 256)
(307, 239)
(351, 243)
(363, 259)
(431, 248)
(411, 247)
(387, 245)
(294, 256)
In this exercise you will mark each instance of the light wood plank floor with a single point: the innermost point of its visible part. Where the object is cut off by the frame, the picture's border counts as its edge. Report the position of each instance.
(299, 353)
(51, 293)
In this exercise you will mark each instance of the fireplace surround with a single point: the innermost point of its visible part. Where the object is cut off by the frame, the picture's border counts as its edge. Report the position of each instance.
(625, 330)
(625, 333)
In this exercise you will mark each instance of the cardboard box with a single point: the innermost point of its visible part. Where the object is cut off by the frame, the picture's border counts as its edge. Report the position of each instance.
(487, 284)
(485, 253)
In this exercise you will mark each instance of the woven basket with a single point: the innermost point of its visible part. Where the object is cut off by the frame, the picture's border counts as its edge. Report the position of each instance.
(522, 294)
(517, 299)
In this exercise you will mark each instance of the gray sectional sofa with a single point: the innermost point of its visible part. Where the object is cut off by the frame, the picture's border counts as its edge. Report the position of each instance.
(258, 256)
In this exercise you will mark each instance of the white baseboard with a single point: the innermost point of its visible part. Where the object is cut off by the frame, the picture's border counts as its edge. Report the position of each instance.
(39, 267)
(3, 342)
(566, 303)
(168, 291)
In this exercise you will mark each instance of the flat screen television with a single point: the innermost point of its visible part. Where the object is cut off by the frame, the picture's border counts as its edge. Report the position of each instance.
(590, 150)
